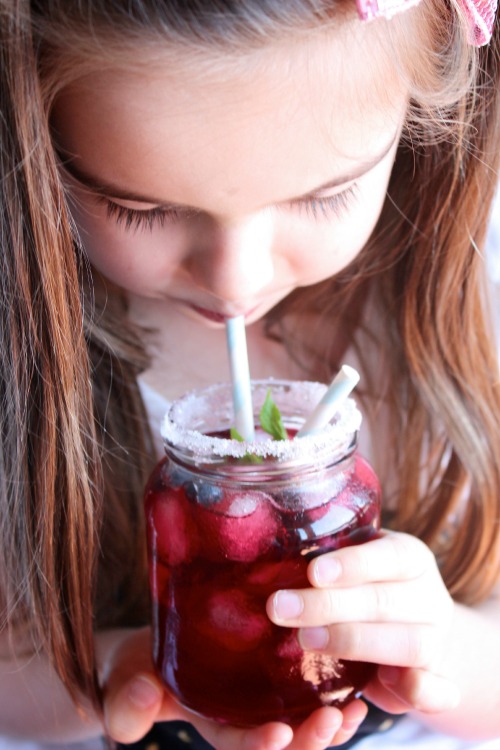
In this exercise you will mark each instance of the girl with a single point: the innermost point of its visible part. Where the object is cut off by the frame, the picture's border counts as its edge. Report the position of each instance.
(168, 164)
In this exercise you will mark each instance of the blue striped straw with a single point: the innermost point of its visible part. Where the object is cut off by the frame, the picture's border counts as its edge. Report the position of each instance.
(240, 377)
(338, 390)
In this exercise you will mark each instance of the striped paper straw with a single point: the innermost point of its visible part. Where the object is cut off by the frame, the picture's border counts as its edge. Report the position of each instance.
(338, 390)
(240, 377)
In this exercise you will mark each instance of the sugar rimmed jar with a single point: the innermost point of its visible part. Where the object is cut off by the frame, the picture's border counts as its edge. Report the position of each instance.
(228, 524)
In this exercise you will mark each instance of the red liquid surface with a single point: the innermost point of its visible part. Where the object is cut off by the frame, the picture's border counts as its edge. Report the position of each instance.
(216, 554)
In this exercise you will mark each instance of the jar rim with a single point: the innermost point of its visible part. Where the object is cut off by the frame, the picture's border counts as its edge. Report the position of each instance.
(181, 425)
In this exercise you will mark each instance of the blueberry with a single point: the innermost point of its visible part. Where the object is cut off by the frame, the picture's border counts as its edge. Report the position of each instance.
(203, 493)
(177, 476)
(191, 491)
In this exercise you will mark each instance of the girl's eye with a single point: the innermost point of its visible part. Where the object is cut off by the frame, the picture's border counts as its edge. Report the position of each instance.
(328, 206)
(133, 219)
(316, 207)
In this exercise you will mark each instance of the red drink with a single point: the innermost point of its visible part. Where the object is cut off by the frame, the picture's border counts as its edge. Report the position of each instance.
(223, 534)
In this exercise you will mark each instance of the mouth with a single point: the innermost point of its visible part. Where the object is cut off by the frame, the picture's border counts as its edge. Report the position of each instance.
(217, 317)
(211, 315)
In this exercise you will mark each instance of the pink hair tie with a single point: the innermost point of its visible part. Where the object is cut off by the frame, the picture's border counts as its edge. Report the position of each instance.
(480, 14)
(480, 17)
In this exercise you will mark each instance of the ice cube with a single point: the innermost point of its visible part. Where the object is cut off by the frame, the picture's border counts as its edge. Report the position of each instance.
(310, 495)
(246, 532)
(327, 521)
(244, 503)
(172, 534)
(268, 576)
(235, 621)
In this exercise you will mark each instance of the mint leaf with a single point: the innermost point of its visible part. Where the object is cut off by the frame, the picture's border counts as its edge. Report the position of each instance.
(270, 419)
(251, 458)
(235, 435)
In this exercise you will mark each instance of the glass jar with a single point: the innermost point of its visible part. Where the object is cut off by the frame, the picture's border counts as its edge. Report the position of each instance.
(228, 524)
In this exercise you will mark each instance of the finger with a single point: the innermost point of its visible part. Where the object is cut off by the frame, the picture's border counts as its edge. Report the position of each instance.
(375, 602)
(393, 644)
(131, 710)
(380, 696)
(419, 689)
(394, 556)
(353, 715)
(318, 731)
(271, 736)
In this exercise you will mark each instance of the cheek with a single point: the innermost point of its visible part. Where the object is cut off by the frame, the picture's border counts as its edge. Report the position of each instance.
(140, 261)
(325, 248)
(353, 232)
(350, 234)
(119, 266)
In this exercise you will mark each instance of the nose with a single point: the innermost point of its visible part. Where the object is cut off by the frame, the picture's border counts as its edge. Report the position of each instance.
(233, 260)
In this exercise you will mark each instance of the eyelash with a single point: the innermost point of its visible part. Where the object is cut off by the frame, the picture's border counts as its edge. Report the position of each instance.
(133, 219)
(315, 207)
(329, 206)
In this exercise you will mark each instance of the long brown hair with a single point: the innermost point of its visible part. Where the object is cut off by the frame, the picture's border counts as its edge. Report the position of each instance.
(430, 360)
(75, 443)
(50, 466)
(74, 433)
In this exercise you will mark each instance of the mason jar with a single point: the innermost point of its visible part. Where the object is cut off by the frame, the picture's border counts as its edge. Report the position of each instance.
(228, 524)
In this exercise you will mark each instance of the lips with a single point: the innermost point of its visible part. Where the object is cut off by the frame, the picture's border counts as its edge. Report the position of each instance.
(215, 317)
(218, 317)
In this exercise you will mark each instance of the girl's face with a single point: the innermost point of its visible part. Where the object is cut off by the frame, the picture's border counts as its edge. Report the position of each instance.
(225, 184)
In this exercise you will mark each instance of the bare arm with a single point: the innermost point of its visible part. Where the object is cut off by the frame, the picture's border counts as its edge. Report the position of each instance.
(472, 661)
(34, 704)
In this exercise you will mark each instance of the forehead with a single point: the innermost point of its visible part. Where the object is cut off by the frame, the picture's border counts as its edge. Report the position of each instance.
(267, 125)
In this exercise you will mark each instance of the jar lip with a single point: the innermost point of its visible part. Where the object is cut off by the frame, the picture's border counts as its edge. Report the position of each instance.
(336, 437)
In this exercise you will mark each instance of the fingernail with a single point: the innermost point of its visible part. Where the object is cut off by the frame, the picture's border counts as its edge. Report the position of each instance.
(326, 570)
(287, 605)
(327, 732)
(351, 726)
(143, 692)
(313, 638)
(282, 741)
(278, 745)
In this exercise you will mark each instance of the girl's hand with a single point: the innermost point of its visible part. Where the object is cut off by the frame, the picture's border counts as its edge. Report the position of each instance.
(134, 699)
(382, 602)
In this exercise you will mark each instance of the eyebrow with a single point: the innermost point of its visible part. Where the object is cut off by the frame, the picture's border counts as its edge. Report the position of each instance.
(111, 190)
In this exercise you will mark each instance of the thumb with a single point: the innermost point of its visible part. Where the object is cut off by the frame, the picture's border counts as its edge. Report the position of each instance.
(131, 710)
